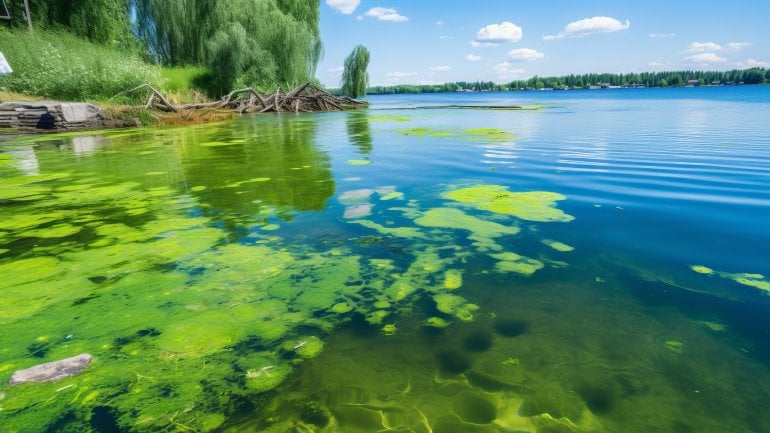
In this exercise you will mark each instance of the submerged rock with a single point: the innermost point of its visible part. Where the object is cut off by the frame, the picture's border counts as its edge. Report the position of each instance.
(51, 371)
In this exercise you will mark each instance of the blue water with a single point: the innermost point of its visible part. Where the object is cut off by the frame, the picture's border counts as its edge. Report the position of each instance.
(196, 264)
(688, 166)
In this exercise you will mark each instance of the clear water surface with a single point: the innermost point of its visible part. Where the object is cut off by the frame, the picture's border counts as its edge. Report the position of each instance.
(593, 262)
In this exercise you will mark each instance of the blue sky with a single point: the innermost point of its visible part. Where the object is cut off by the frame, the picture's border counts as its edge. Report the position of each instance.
(413, 41)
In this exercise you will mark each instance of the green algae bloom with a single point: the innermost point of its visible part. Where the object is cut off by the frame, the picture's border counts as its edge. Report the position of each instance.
(359, 162)
(674, 345)
(455, 305)
(393, 195)
(539, 206)
(51, 232)
(399, 232)
(714, 326)
(492, 134)
(512, 262)
(389, 329)
(418, 132)
(471, 134)
(558, 246)
(452, 218)
(388, 118)
(702, 269)
(436, 322)
(757, 281)
(453, 279)
(752, 280)
(309, 347)
(341, 308)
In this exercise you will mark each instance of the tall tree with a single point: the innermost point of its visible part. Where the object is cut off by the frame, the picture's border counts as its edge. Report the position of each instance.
(261, 43)
(355, 77)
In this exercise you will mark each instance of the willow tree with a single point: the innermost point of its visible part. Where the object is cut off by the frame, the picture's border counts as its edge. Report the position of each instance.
(355, 77)
(260, 43)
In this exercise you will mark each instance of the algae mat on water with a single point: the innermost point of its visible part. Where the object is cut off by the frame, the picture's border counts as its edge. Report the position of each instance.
(531, 206)
(174, 313)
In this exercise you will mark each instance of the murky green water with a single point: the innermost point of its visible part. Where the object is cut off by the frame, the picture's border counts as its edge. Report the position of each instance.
(587, 265)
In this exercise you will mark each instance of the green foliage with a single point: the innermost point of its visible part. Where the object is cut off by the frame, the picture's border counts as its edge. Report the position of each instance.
(754, 76)
(355, 78)
(260, 43)
(102, 21)
(237, 60)
(56, 64)
(184, 78)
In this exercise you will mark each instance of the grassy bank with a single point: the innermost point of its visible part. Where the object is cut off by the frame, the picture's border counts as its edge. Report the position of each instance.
(56, 64)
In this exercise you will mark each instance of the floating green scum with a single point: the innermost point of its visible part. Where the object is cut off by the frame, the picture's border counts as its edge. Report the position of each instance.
(175, 276)
(539, 206)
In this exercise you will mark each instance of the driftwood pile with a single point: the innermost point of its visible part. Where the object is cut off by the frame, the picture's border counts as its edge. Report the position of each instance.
(306, 98)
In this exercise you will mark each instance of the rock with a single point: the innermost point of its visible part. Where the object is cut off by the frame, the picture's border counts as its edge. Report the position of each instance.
(51, 115)
(51, 371)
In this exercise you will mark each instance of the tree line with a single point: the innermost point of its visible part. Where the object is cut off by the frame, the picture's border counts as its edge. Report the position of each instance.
(572, 81)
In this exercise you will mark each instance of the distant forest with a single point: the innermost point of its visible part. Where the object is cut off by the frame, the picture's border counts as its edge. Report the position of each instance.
(644, 79)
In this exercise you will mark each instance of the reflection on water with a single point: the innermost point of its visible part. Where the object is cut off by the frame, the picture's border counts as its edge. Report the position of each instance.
(246, 276)
(272, 165)
(359, 134)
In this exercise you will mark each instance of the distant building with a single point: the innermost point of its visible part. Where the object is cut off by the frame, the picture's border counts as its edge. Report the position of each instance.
(693, 83)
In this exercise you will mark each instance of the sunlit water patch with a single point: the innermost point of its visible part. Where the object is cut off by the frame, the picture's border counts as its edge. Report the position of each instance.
(595, 265)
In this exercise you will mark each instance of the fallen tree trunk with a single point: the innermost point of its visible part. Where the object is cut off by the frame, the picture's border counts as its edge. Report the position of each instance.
(305, 98)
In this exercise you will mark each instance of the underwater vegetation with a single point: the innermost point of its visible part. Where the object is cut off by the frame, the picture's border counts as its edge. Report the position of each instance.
(150, 278)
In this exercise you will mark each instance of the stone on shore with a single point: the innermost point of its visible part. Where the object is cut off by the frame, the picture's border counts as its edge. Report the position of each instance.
(52, 371)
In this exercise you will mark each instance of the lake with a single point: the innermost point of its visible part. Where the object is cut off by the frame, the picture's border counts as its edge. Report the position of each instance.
(595, 261)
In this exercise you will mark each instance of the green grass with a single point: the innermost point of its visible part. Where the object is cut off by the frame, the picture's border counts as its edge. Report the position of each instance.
(185, 84)
(184, 78)
(56, 64)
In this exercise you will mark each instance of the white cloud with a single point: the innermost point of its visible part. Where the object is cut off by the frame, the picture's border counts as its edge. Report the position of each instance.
(590, 26)
(498, 33)
(700, 47)
(426, 82)
(662, 35)
(705, 58)
(440, 68)
(472, 58)
(446, 37)
(385, 14)
(506, 71)
(659, 65)
(398, 74)
(476, 44)
(737, 46)
(525, 55)
(336, 71)
(753, 63)
(344, 6)
(439, 23)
